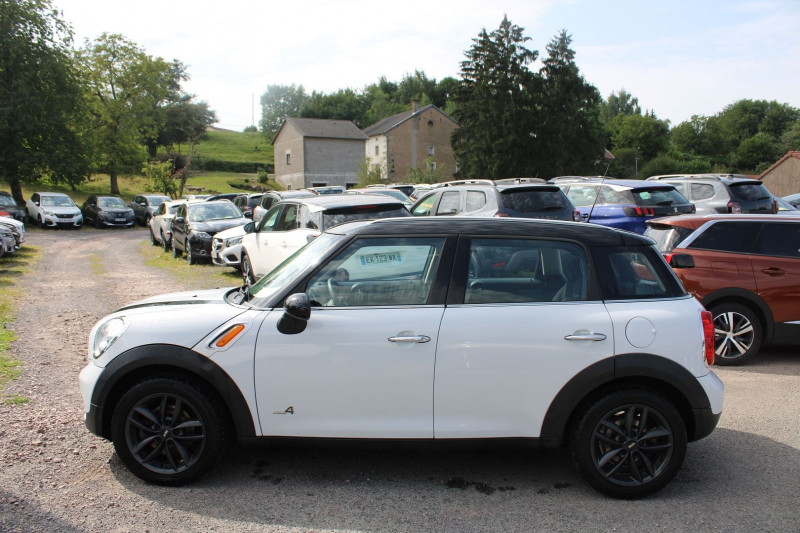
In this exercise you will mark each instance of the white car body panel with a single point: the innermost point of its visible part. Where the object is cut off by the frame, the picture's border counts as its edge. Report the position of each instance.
(339, 387)
(268, 249)
(227, 255)
(161, 225)
(17, 224)
(497, 378)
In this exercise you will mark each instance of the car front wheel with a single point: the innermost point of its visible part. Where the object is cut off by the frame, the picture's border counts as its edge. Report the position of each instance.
(629, 444)
(164, 242)
(737, 334)
(248, 278)
(187, 247)
(168, 431)
(175, 252)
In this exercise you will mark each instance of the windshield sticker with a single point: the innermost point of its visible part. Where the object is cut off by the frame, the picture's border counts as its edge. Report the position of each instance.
(385, 257)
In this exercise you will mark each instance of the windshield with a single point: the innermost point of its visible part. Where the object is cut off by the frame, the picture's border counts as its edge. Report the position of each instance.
(111, 202)
(7, 200)
(57, 201)
(216, 211)
(306, 257)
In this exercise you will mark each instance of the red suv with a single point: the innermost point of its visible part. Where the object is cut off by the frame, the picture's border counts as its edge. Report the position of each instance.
(745, 269)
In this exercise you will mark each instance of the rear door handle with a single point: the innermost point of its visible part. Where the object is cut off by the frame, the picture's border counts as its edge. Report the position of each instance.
(586, 337)
(410, 338)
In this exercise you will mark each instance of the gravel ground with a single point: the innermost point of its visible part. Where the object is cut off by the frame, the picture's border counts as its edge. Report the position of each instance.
(57, 477)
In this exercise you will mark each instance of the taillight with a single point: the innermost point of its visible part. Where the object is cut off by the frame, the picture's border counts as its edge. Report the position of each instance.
(775, 206)
(733, 207)
(576, 216)
(639, 211)
(708, 336)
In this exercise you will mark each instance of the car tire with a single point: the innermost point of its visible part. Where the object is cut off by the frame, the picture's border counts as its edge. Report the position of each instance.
(164, 242)
(247, 271)
(175, 252)
(168, 431)
(738, 334)
(153, 240)
(629, 443)
(41, 222)
(187, 248)
(97, 223)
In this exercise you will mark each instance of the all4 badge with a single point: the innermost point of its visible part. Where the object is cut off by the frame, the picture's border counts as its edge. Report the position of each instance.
(289, 411)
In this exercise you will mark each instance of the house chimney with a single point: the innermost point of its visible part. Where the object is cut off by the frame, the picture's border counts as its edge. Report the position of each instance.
(414, 106)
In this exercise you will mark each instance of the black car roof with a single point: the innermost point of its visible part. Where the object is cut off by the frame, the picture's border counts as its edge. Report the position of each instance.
(585, 233)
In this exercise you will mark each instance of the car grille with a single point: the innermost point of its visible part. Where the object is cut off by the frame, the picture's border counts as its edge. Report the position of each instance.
(60, 215)
(217, 244)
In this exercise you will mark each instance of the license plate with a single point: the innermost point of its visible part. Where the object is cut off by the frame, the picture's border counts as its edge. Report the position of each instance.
(119, 220)
(388, 257)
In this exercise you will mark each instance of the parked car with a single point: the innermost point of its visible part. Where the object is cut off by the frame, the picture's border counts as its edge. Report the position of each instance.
(623, 204)
(161, 223)
(793, 199)
(745, 269)
(15, 228)
(405, 188)
(484, 198)
(224, 196)
(385, 330)
(389, 191)
(270, 198)
(325, 189)
(9, 208)
(246, 203)
(291, 223)
(53, 210)
(107, 211)
(196, 223)
(722, 193)
(226, 246)
(144, 205)
(785, 208)
(7, 241)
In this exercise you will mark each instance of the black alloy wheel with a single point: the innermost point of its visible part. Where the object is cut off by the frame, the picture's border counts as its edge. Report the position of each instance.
(629, 444)
(738, 334)
(168, 431)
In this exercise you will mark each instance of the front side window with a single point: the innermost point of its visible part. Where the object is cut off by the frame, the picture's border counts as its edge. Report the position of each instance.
(449, 203)
(288, 219)
(378, 272)
(425, 206)
(526, 271)
(270, 218)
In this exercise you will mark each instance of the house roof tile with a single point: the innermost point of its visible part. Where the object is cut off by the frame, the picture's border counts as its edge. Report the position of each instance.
(326, 129)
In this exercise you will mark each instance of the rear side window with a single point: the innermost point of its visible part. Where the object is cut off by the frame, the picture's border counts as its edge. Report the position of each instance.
(582, 196)
(533, 200)
(609, 196)
(749, 192)
(635, 273)
(475, 200)
(655, 197)
(526, 271)
(723, 236)
(702, 191)
(334, 217)
(779, 239)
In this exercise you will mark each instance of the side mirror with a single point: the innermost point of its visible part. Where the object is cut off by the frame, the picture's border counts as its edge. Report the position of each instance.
(248, 214)
(296, 312)
(249, 227)
(680, 260)
(178, 219)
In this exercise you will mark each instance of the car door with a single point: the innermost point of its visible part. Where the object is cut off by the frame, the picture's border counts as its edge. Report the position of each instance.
(179, 228)
(520, 323)
(363, 366)
(285, 238)
(776, 268)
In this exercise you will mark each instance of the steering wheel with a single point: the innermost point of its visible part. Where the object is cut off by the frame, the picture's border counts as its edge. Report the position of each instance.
(338, 292)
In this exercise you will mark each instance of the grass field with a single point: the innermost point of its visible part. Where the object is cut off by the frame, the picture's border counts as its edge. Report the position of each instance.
(236, 146)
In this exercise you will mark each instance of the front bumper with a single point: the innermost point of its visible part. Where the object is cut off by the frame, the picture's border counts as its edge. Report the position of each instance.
(221, 256)
(201, 246)
(63, 221)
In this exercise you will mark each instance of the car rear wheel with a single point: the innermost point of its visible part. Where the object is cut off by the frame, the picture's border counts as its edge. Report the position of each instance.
(629, 444)
(738, 334)
(248, 278)
(168, 431)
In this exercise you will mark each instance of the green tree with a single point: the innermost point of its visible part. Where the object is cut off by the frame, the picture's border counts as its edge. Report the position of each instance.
(125, 86)
(758, 149)
(279, 102)
(495, 106)
(646, 135)
(790, 140)
(159, 177)
(41, 113)
(622, 103)
(369, 174)
(570, 135)
(344, 104)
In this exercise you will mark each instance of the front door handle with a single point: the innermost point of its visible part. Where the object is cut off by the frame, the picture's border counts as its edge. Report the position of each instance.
(586, 337)
(774, 271)
(410, 338)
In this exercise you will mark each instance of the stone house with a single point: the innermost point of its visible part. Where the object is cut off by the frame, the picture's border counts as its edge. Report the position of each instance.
(419, 138)
(312, 152)
(783, 178)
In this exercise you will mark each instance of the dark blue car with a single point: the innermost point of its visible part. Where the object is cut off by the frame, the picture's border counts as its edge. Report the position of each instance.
(624, 204)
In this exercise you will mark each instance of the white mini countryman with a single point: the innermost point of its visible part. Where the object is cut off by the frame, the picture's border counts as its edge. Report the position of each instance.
(435, 329)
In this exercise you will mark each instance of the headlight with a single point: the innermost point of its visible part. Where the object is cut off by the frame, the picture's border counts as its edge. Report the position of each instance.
(233, 241)
(200, 235)
(46, 213)
(106, 335)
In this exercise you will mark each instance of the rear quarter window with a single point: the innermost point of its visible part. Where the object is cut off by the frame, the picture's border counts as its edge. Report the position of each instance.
(724, 236)
(635, 273)
(653, 197)
(667, 236)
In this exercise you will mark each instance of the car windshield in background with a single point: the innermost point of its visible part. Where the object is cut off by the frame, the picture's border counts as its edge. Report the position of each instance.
(173, 209)
(7, 200)
(749, 191)
(667, 236)
(57, 201)
(157, 201)
(533, 200)
(665, 196)
(305, 257)
(201, 212)
(111, 202)
(334, 217)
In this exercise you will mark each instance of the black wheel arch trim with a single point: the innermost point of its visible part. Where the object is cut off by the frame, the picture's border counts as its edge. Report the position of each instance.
(632, 369)
(747, 298)
(160, 359)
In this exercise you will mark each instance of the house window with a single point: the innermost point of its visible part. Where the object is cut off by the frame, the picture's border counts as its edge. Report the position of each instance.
(376, 149)
(431, 150)
(431, 165)
(288, 157)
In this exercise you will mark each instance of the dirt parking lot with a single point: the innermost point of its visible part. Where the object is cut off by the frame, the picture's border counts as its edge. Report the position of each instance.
(57, 477)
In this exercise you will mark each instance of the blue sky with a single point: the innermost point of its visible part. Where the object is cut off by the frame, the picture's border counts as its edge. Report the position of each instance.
(679, 58)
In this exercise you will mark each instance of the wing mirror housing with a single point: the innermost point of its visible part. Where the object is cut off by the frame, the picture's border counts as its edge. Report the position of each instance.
(296, 312)
(680, 260)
